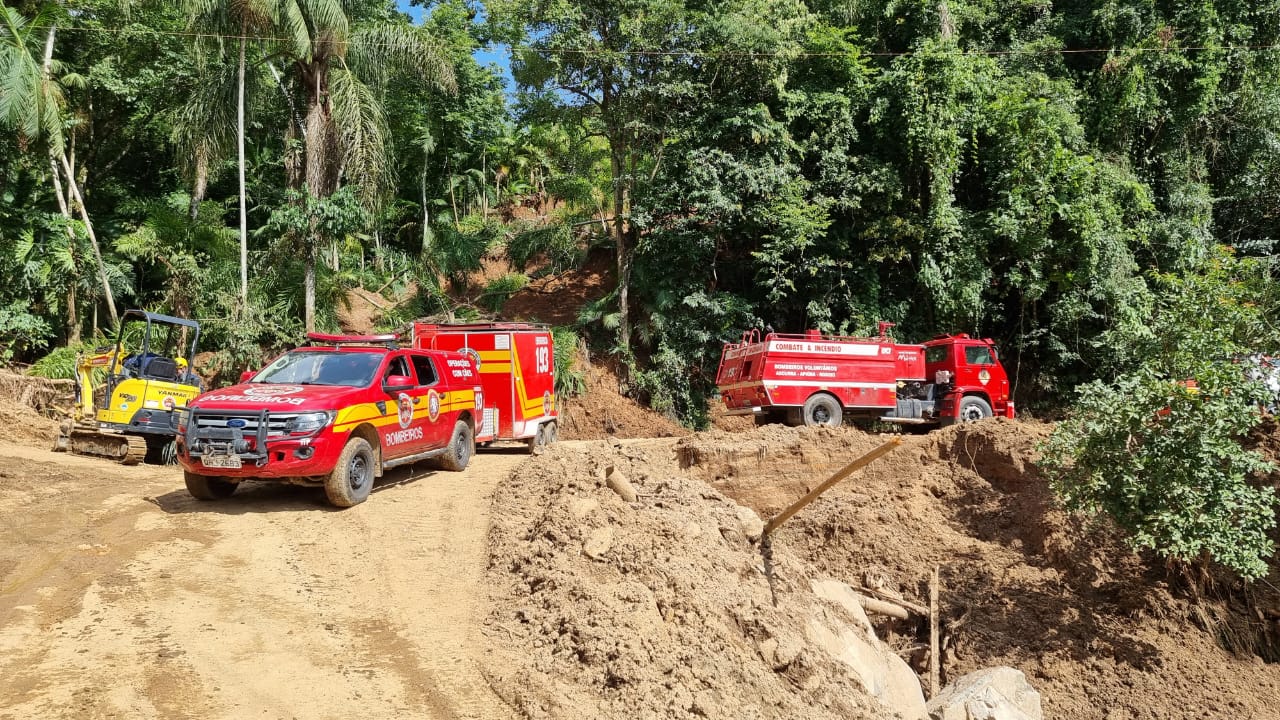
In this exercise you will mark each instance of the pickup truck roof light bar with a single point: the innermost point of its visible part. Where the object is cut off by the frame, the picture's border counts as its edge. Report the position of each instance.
(389, 340)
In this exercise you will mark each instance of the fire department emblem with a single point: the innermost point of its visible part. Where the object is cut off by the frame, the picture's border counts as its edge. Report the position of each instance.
(546, 403)
(984, 377)
(471, 353)
(433, 405)
(272, 390)
(404, 405)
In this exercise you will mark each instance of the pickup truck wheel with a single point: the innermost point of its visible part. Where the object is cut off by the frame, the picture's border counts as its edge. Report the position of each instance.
(352, 478)
(973, 408)
(822, 410)
(203, 487)
(461, 445)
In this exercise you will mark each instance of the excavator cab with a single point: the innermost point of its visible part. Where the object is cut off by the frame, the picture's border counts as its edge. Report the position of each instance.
(126, 395)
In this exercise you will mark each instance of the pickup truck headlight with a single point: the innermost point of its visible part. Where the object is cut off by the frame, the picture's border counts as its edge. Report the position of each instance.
(308, 423)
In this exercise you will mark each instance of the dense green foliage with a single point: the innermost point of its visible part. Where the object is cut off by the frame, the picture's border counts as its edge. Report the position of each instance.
(1018, 170)
(1162, 456)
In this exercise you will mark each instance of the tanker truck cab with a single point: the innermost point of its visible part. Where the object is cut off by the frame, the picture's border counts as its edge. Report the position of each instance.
(969, 381)
(335, 414)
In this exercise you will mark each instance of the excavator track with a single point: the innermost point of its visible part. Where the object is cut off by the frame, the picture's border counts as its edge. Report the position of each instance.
(124, 449)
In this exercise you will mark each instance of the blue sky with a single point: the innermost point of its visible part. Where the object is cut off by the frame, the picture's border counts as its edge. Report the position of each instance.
(497, 55)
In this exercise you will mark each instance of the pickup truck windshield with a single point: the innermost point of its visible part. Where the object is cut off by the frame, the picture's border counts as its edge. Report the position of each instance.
(311, 367)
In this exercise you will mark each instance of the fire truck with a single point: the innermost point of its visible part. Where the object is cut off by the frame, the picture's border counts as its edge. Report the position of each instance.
(516, 362)
(816, 379)
(336, 414)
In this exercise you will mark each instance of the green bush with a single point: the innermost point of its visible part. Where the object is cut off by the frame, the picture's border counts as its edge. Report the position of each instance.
(1164, 461)
(60, 364)
(1158, 450)
(554, 242)
(21, 331)
(497, 292)
(570, 381)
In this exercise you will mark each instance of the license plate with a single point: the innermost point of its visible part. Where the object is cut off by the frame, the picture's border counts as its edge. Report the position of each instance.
(221, 461)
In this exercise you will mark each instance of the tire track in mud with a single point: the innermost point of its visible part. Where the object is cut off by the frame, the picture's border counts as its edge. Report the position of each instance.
(269, 603)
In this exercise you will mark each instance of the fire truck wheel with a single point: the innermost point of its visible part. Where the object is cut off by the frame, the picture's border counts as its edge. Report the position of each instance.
(551, 433)
(973, 408)
(822, 409)
(352, 478)
(203, 487)
(538, 440)
(461, 445)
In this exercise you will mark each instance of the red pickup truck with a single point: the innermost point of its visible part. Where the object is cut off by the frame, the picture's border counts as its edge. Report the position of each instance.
(335, 413)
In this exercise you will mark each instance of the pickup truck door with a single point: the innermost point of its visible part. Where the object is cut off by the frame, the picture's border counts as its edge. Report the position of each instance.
(437, 425)
(407, 407)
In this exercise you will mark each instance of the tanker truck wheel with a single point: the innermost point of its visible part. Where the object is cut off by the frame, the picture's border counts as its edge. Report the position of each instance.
(973, 408)
(822, 409)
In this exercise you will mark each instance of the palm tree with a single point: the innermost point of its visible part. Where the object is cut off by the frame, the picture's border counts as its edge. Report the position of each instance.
(340, 73)
(31, 104)
(200, 130)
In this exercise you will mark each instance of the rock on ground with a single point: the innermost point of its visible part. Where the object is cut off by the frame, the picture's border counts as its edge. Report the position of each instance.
(1000, 693)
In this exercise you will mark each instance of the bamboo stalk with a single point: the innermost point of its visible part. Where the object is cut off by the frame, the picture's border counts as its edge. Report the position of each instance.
(827, 484)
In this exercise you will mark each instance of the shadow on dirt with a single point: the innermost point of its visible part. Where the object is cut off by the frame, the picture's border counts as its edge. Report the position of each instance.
(254, 496)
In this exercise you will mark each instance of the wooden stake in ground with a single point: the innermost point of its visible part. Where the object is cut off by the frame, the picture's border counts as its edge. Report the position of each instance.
(935, 662)
(843, 473)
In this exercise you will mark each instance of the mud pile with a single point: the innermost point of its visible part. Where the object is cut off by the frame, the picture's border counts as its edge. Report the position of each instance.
(28, 406)
(658, 608)
(603, 412)
(662, 608)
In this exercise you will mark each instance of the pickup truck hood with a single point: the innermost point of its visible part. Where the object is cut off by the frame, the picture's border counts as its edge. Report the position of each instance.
(278, 398)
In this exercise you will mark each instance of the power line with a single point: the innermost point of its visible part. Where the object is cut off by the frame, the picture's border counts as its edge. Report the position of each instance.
(599, 52)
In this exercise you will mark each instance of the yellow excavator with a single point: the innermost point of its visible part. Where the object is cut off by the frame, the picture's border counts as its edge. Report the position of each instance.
(126, 395)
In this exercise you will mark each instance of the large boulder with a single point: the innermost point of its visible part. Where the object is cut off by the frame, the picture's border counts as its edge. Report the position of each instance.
(847, 636)
(999, 693)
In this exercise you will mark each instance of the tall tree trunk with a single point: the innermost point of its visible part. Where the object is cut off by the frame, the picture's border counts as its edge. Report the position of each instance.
(484, 185)
(620, 240)
(244, 227)
(75, 190)
(93, 238)
(309, 290)
(426, 214)
(73, 320)
(453, 200)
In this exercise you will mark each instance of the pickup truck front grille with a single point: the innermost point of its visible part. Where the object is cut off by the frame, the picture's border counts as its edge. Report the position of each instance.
(214, 425)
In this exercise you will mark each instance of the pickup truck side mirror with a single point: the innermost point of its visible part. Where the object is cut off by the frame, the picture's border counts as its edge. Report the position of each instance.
(395, 383)
(246, 376)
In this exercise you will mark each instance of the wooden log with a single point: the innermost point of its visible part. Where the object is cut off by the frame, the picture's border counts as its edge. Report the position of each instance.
(827, 484)
(881, 607)
(920, 610)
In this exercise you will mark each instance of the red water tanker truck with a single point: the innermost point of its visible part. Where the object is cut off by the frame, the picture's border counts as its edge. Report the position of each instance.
(816, 379)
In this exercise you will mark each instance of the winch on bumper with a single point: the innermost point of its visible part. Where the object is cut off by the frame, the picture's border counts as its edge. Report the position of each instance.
(260, 444)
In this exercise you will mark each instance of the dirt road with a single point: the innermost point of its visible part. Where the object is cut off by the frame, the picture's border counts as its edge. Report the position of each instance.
(120, 596)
